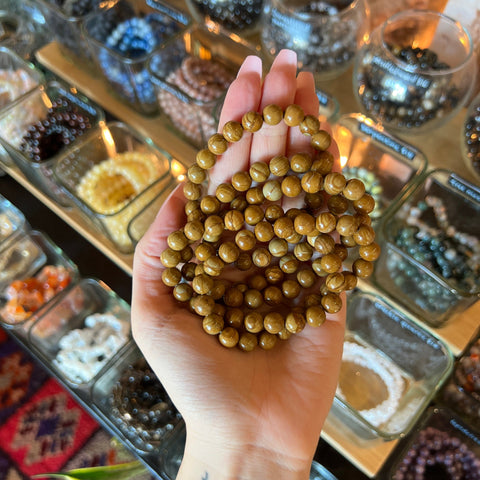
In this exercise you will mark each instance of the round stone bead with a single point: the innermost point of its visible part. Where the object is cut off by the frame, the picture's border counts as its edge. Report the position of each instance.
(267, 341)
(209, 205)
(291, 186)
(361, 268)
(217, 144)
(232, 131)
(303, 251)
(274, 275)
(213, 266)
(323, 163)
(253, 298)
(321, 140)
(254, 196)
(192, 191)
(312, 182)
(284, 334)
(283, 227)
(239, 203)
(219, 309)
(183, 292)
(225, 193)
(331, 263)
(291, 289)
(304, 223)
(229, 337)
(273, 212)
(331, 302)
(279, 165)
(245, 240)
(218, 290)
(310, 125)
(272, 190)
(247, 342)
(170, 258)
(203, 305)
(192, 206)
(334, 183)
(214, 225)
(354, 189)
(188, 271)
(335, 282)
(186, 254)
(243, 287)
(252, 121)
(264, 231)
(278, 247)
(324, 244)
(259, 171)
(314, 200)
(273, 322)
(233, 220)
(350, 280)
(257, 282)
(202, 284)
(253, 214)
(234, 317)
(295, 322)
(196, 215)
(365, 204)
(337, 204)
(315, 316)
(341, 251)
(313, 299)
(244, 262)
(288, 263)
(363, 219)
(233, 297)
(306, 278)
(241, 181)
(196, 174)
(365, 235)
(293, 115)
(317, 268)
(206, 159)
(228, 252)
(348, 241)
(177, 240)
(346, 225)
(300, 162)
(326, 222)
(261, 257)
(294, 212)
(370, 252)
(253, 322)
(294, 238)
(213, 324)
(272, 114)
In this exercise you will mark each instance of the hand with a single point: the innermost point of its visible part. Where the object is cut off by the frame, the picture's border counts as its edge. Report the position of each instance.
(248, 415)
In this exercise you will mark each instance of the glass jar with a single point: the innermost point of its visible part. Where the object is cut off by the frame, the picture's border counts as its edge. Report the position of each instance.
(326, 34)
(470, 141)
(415, 72)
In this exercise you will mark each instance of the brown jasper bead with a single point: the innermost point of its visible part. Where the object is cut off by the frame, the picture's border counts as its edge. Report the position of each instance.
(253, 298)
(334, 183)
(341, 251)
(192, 191)
(261, 257)
(283, 227)
(326, 222)
(219, 309)
(273, 322)
(317, 268)
(346, 225)
(364, 204)
(363, 219)
(186, 254)
(293, 213)
(177, 240)
(278, 247)
(213, 266)
(267, 341)
(245, 240)
(244, 262)
(315, 316)
(233, 220)
(312, 299)
(171, 276)
(272, 114)
(350, 280)
(264, 231)
(291, 186)
(253, 322)
(252, 122)
(331, 263)
(209, 205)
(170, 258)
(337, 204)
(272, 190)
(218, 290)
(306, 278)
(253, 214)
(233, 297)
(365, 235)
(348, 241)
(324, 244)
(312, 182)
(228, 252)
(193, 230)
(241, 181)
(232, 131)
(229, 337)
(257, 282)
(214, 225)
(370, 252)
(239, 203)
(311, 238)
(291, 288)
(213, 324)
(247, 342)
(273, 212)
(202, 284)
(284, 334)
(361, 268)
(254, 196)
(243, 287)
(211, 238)
(204, 251)
(354, 189)
(303, 252)
(294, 238)
(309, 125)
(196, 174)
(259, 171)
(196, 215)
(225, 193)
(295, 322)
(274, 275)
(335, 282)
(293, 115)
(234, 317)
(199, 269)
(288, 263)
(203, 305)
(321, 140)
(205, 159)
(304, 223)
(323, 163)
(217, 144)
(331, 302)
(188, 271)
(300, 162)
(314, 200)
(183, 292)
(192, 206)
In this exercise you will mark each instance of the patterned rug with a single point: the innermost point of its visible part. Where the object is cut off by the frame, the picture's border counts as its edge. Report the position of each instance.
(42, 428)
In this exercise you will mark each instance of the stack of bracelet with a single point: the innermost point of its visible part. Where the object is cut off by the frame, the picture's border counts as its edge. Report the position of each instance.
(286, 252)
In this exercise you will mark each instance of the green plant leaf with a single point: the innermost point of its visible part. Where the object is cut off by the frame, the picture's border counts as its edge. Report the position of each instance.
(122, 471)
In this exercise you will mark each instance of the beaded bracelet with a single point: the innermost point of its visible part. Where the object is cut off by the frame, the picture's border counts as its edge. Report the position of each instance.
(242, 225)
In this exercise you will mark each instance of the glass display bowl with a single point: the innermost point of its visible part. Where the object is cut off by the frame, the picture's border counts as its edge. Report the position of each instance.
(12, 222)
(415, 72)
(325, 35)
(470, 138)
(16, 33)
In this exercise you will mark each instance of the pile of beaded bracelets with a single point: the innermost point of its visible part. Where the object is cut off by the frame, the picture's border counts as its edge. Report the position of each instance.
(246, 209)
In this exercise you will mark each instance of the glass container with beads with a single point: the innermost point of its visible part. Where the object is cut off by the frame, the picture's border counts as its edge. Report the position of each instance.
(388, 166)
(191, 74)
(325, 34)
(12, 222)
(415, 72)
(133, 403)
(80, 331)
(470, 138)
(123, 38)
(36, 128)
(442, 446)
(16, 33)
(111, 175)
(431, 251)
(391, 368)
